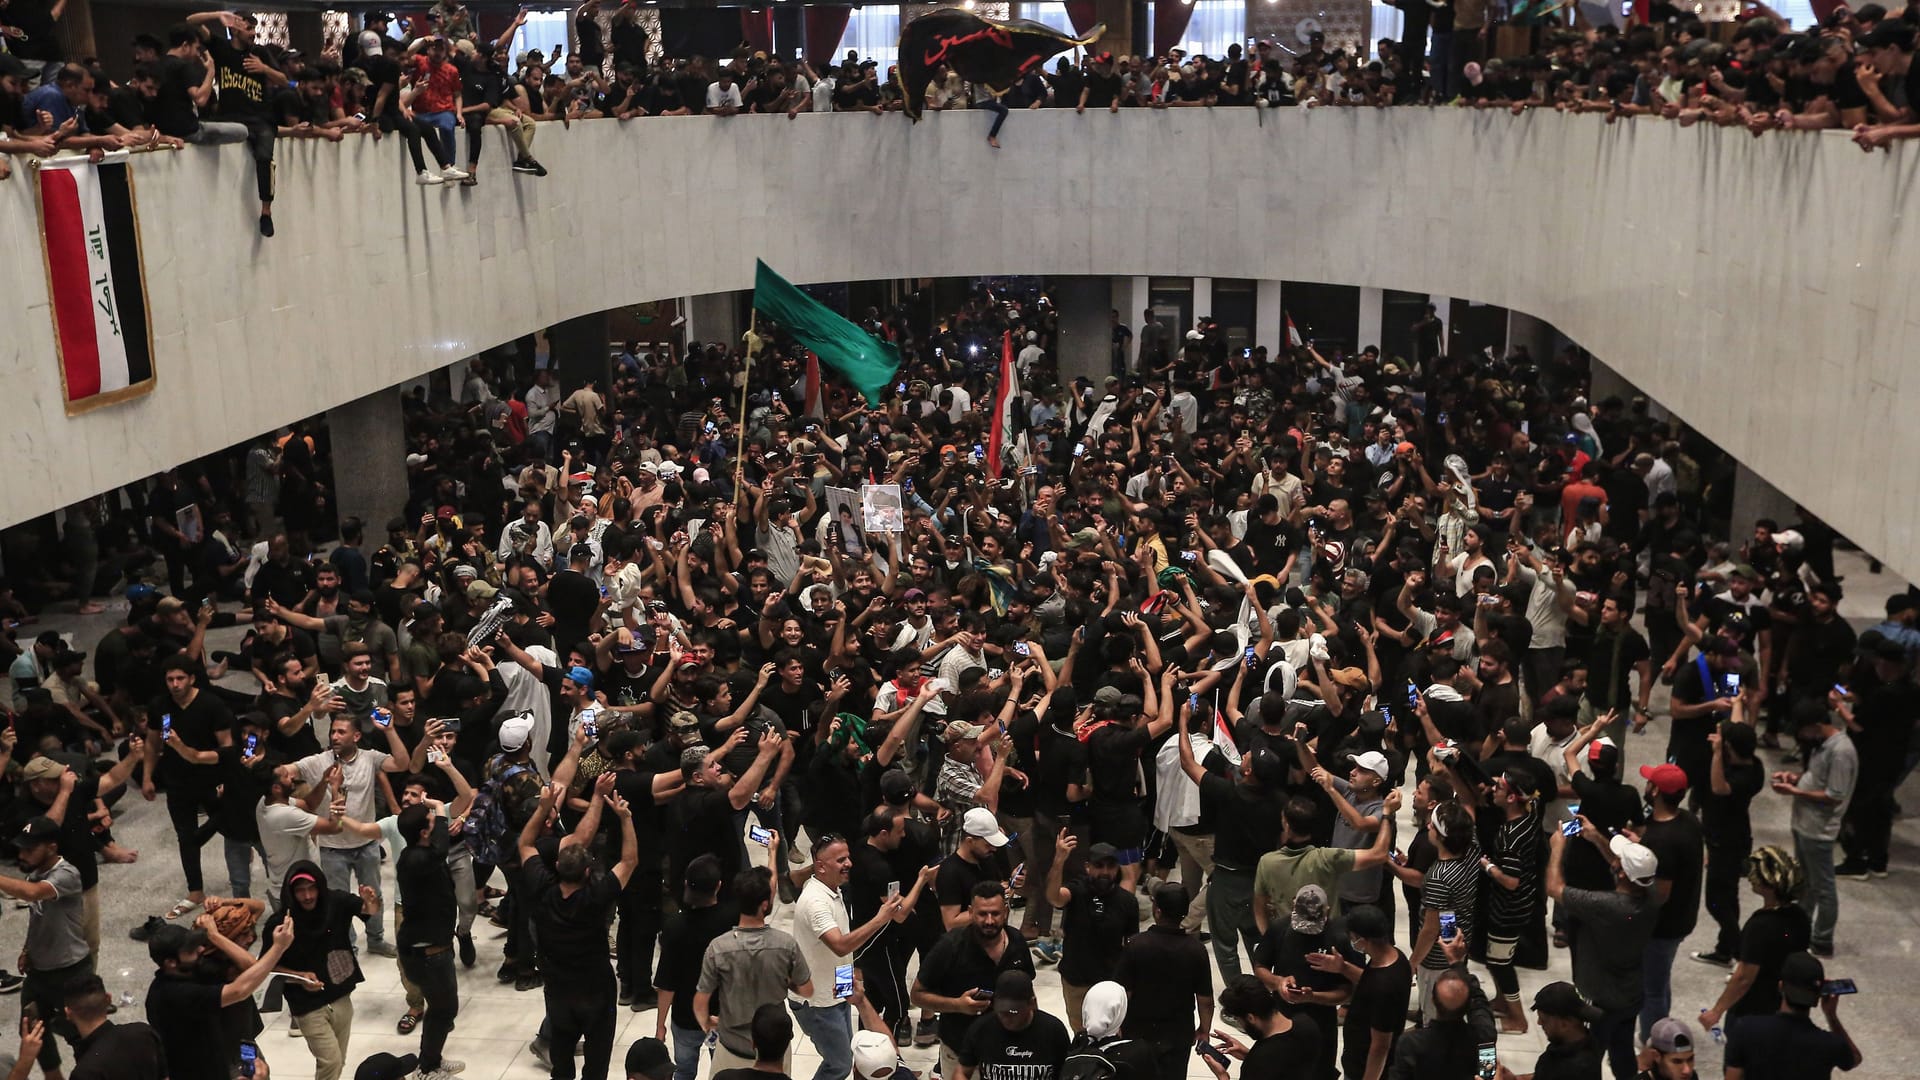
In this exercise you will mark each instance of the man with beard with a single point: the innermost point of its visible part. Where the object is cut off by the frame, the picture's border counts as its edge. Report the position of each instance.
(354, 620)
(185, 1010)
(293, 698)
(56, 950)
(1098, 914)
(958, 974)
(322, 946)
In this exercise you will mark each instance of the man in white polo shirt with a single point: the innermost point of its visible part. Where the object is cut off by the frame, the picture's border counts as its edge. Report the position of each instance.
(821, 928)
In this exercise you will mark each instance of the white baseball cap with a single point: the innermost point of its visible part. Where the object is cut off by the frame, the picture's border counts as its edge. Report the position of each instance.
(980, 822)
(1374, 762)
(1637, 861)
(874, 1056)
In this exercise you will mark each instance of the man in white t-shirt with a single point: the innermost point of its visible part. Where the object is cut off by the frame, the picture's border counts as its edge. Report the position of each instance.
(820, 928)
(288, 825)
(345, 853)
(723, 97)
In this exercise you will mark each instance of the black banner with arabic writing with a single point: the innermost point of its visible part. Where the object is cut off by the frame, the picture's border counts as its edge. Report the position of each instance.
(984, 51)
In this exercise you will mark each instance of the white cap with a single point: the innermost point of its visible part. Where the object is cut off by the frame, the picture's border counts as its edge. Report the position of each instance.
(514, 731)
(874, 1056)
(1637, 861)
(1374, 762)
(980, 822)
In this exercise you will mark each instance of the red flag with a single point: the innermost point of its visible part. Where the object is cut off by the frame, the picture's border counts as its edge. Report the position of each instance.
(1293, 335)
(1002, 405)
(813, 403)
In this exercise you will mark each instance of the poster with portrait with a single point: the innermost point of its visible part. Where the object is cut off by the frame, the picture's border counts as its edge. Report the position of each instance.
(880, 506)
(844, 517)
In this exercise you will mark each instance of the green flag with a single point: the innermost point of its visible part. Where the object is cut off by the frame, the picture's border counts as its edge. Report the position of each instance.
(864, 360)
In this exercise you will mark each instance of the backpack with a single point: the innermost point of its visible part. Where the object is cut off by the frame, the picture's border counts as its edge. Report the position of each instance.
(489, 814)
(1088, 1059)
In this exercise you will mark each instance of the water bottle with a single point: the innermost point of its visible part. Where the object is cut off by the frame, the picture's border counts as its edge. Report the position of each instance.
(1718, 1034)
(126, 995)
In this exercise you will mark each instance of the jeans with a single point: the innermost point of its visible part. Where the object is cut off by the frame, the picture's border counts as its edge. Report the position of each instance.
(831, 1029)
(1230, 917)
(686, 1050)
(1823, 894)
(576, 1012)
(362, 865)
(409, 131)
(1656, 982)
(442, 122)
(257, 134)
(184, 807)
(434, 976)
(1613, 1034)
(999, 110)
(240, 865)
(327, 1030)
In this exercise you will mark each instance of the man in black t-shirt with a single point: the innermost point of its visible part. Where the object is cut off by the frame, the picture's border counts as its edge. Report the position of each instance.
(1017, 1041)
(1734, 778)
(247, 81)
(186, 720)
(1102, 87)
(1098, 913)
(958, 975)
(383, 103)
(1673, 835)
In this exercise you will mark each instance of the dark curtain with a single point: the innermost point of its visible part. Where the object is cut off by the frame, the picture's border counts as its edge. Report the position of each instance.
(756, 29)
(1170, 19)
(825, 26)
(1081, 12)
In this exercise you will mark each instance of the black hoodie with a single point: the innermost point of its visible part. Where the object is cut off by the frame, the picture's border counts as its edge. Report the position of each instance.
(322, 941)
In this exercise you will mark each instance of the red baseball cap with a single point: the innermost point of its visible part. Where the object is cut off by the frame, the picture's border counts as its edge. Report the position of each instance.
(1668, 779)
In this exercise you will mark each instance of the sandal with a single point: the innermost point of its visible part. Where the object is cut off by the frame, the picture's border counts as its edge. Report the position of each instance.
(181, 907)
(408, 1021)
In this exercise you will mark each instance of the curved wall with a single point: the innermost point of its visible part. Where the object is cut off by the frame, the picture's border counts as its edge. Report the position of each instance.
(1755, 287)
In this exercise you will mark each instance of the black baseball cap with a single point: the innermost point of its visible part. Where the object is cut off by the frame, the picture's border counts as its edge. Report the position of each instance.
(896, 787)
(1800, 977)
(1561, 999)
(649, 1058)
(40, 830)
(386, 1067)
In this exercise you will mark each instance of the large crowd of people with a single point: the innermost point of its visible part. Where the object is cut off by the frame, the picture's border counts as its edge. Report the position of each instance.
(1214, 666)
(211, 81)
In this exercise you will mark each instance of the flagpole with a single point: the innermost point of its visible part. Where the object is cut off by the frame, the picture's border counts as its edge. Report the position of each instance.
(746, 380)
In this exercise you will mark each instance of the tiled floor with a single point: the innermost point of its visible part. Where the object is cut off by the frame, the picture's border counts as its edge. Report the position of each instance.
(1878, 938)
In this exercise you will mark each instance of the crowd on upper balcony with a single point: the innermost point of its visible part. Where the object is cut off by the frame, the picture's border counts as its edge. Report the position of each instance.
(213, 81)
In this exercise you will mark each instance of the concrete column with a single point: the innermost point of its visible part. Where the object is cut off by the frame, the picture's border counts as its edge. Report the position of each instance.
(1086, 343)
(1131, 297)
(1202, 299)
(1753, 499)
(1373, 319)
(369, 457)
(1536, 335)
(1118, 16)
(1269, 317)
(715, 317)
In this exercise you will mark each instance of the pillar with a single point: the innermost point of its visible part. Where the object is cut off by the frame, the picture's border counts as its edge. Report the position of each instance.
(1118, 40)
(1534, 334)
(1269, 317)
(304, 32)
(1373, 318)
(1132, 296)
(1202, 299)
(369, 457)
(1753, 499)
(715, 317)
(1086, 342)
(577, 350)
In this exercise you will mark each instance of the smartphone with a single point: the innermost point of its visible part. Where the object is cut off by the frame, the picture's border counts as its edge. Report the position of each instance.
(249, 1058)
(1441, 419)
(1079, 449)
(1489, 1063)
(435, 757)
(907, 485)
(776, 395)
(712, 428)
(383, 717)
(759, 835)
(1733, 683)
(843, 982)
(1837, 688)
(253, 745)
(1193, 702)
(900, 388)
(1251, 658)
(1448, 926)
(1413, 696)
(1021, 648)
(166, 725)
(1573, 808)
(1388, 715)
(1838, 986)
(1570, 829)
(1213, 1054)
(981, 993)
(893, 889)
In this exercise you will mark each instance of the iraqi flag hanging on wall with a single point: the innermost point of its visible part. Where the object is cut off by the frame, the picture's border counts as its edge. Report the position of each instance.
(1004, 423)
(95, 280)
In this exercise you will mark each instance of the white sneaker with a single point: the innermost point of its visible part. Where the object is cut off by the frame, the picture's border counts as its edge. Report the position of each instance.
(448, 1069)
(451, 173)
(428, 176)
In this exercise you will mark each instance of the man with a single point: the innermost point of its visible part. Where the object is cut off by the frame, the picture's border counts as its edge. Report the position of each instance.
(1376, 1009)
(1787, 1044)
(1734, 777)
(956, 973)
(647, 1059)
(1448, 1044)
(347, 854)
(426, 936)
(1878, 712)
(1671, 1052)
(684, 942)
(1018, 1041)
(745, 968)
(1820, 796)
(828, 943)
(104, 1050)
(772, 1046)
(179, 752)
(1247, 812)
(287, 823)
(247, 79)
(1674, 836)
(1165, 973)
(1570, 1053)
(572, 902)
(1451, 886)
(1613, 931)
(69, 801)
(1098, 913)
(977, 857)
(186, 1011)
(56, 952)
